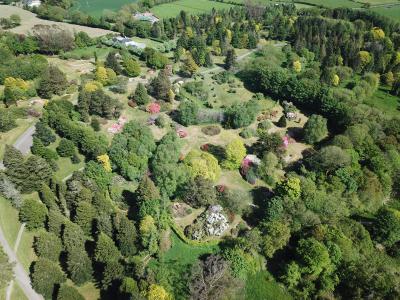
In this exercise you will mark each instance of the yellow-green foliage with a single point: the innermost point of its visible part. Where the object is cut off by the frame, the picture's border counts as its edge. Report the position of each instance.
(396, 59)
(389, 78)
(147, 225)
(335, 80)
(365, 58)
(101, 75)
(297, 66)
(105, 75)
(377, 33)
(157, 292)
(234, 153)
(11, 82)
(202, 164)
(105, 161)
(92, 86)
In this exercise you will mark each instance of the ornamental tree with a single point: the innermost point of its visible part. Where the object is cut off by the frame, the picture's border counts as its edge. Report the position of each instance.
(190, 67)
(234, 153)
(153, 108)
(199, 192)
(315, 129)
(202, 164)
(105, 161)
(157, 292)
(52, 82)
(140, 96)
(132, 67)
(296, 65)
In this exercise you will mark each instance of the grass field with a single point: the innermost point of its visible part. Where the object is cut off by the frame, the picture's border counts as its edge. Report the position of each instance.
(17, 293)
(385, 102)
(332, 3)
(172, 9)
(392, 12)
(261, 286)
(96, 7)
(185, 253)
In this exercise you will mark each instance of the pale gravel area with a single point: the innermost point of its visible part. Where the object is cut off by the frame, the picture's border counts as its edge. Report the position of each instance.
(28, 20)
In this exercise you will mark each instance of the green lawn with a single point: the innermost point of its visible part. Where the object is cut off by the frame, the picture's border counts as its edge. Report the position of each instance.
(261, 286)
(332, 3)
(384, 101)
(172, 9)
(65, 166)
(17, 293)
(392, 12)
(10, 225)
(87, 52)
(184, 253)
(96, 7)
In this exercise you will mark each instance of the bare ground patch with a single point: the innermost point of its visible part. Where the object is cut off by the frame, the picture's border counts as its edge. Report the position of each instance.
(28, 20)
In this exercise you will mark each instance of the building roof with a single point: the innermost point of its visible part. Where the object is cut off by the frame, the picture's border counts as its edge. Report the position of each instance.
(146, 16)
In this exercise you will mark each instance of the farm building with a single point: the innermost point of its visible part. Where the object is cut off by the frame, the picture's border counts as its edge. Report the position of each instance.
(146, 16)
(128, 42)
(32, 3)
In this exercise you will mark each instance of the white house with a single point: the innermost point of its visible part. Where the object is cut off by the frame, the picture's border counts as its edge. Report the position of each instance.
(32, 3)
(127, 42)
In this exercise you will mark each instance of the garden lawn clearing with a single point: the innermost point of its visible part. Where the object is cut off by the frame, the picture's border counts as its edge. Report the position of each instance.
(96, 7)
(262, 286)
(172, 9)
(186, 254)
(384, 101)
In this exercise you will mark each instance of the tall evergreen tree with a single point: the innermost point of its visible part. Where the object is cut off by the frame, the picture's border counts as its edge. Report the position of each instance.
(230, 59)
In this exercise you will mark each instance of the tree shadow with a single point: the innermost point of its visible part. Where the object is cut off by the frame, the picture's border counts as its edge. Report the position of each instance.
(295, 133)
(261, 197)
(217, 151)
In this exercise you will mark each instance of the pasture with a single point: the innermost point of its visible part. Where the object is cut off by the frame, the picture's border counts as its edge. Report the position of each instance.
(169, 10)
(96, 7)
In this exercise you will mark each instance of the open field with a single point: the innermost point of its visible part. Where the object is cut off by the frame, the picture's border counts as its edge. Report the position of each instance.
(262, 286)
(332, 3)
(385, 102)
(172, 9)
(184, 253)
(96, 7)
(29, 20)
(392, 12)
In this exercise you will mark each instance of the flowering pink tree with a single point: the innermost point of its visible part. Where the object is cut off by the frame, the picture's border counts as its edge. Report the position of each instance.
(153, 108)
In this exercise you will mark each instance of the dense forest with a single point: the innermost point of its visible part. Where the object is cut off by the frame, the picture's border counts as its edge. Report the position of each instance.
(326, 226)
